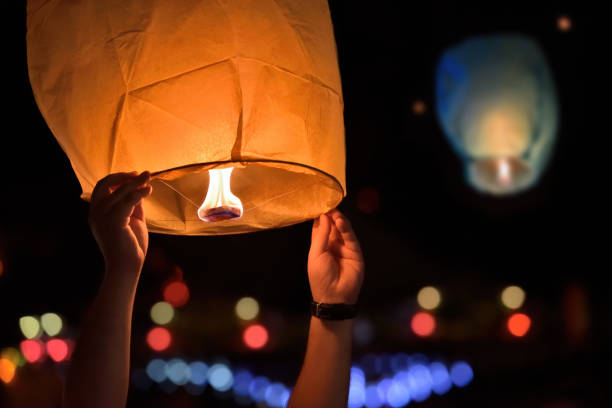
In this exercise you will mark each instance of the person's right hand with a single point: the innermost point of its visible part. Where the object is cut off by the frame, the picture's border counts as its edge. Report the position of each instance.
(116, 217)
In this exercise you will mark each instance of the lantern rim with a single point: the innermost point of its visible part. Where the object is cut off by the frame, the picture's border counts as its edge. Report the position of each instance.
(483, 174)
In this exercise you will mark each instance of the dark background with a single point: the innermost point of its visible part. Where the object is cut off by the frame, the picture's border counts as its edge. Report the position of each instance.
(429, 227)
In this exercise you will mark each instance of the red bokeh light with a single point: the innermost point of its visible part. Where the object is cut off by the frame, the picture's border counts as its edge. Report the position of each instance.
(519, 324)
(159, 338)
(255, 336)
(32, 350)
(423, 324)
(176, 293)
(368, 200)
(57, 349)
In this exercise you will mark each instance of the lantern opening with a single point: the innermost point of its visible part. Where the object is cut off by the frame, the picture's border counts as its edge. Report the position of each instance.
(503, 175)
(220, 203)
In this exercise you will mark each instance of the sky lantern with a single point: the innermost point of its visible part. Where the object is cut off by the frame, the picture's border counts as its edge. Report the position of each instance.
(497, 105)
(234, 106)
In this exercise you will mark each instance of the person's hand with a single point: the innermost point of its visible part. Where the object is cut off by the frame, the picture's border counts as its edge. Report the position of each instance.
(117, 220)
(335, 262)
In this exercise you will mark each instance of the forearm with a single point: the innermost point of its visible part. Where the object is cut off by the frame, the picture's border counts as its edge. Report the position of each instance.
(99, 372)
(324, 379)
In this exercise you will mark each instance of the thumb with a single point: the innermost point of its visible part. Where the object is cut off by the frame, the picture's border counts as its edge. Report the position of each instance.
(320, 235)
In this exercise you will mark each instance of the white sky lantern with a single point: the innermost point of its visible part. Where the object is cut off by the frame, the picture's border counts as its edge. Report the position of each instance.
(497, 105)
(240, 99)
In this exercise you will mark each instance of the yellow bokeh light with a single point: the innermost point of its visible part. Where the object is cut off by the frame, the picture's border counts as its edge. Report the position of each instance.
(513, 297)
(162, 313)
(247, 308)
(51, 323)
(29, 327)
(429, 297)
(13, 355)
(7, 370)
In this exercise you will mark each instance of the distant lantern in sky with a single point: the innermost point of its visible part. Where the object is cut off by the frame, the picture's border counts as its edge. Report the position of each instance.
(497, 105)
(235, 107)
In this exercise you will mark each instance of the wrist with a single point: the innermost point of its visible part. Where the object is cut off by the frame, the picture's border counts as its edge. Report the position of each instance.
(121, 273)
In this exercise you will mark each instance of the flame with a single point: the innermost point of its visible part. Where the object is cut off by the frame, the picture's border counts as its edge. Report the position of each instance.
(220, 203)
(504, 172)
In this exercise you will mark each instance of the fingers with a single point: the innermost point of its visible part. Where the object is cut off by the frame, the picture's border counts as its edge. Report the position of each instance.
(321, 229)
(127, 188)
(131, 202)
(105, 186)
(343, 225)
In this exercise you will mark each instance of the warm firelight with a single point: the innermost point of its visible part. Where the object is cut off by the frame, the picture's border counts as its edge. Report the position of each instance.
(504, 172)
(220, 203)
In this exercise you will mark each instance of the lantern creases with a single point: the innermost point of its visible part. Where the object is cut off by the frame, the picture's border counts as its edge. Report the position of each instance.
(180, 88)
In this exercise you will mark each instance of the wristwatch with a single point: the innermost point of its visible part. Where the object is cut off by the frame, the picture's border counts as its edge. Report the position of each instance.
(333, 311)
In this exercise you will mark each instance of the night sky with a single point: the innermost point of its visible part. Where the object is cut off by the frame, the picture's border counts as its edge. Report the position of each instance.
(429, 227)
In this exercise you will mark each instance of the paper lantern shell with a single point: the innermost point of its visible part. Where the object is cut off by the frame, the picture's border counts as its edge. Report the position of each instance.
(180, 87)
(497, 105)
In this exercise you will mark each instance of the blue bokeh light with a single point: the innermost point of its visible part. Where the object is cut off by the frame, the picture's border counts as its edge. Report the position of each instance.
(419, 382)
(220, 377)
(276, 394)
(461, 373)
(258, 388)
(242, 382)
(199, 371)
(372, 399)
(156, 370)
(178, 371)
(398, 394)
(440, 378)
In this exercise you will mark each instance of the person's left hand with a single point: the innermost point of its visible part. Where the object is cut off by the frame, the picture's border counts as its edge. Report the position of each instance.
(335, 262)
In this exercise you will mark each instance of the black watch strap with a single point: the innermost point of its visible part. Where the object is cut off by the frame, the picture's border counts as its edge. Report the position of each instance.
(333, 311)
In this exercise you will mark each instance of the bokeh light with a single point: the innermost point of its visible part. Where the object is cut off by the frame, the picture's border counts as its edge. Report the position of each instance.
(13, 355)
(51, 324)
(356, 397)
(242, 382)
(1, 267)
(397, 394)
(418, 107)
(156, 370)
(419, 382)
(423, 324)
(176, 293)
(513, 297)
(178, 371)
(277, 395)
(429, 297)
(363, 332)
(30, 327)
(199, 372)
(441, 382)
(368, 200)
(461, 373)
(258, 388)
(57, 349)
(564, 23)
(220, 377)
(162, 313)
(372, 399)
(7, 370)
(159, 338)
(255, 336)
(32, 350)
(247, 308)
(519, 324)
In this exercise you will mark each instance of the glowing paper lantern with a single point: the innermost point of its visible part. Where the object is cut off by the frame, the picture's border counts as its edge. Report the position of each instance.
(182, 87)
(497, 105)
